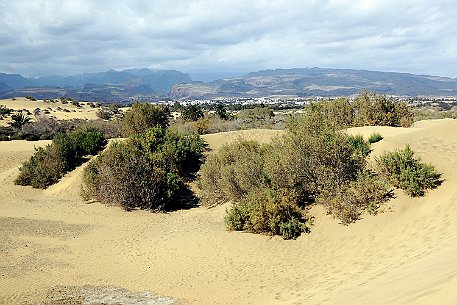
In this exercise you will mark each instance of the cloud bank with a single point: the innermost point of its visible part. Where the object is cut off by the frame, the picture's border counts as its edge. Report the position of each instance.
(40, 37)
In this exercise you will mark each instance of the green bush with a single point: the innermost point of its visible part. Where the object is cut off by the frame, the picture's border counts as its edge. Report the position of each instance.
(360, 145)
(269, 212)
(368, 109)
(349, 202)
(64, 154)
(302, 167)
(231, 173)
(407, 172)
(4, 111)
(142, 117)
(146, 171)
(339, 112)
(256, 117)
(312, 157)
(375, 137)
(192, 113)
(271, 186)
(372, 109)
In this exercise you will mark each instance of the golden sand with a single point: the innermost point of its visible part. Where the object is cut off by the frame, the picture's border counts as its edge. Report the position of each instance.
(406, 255)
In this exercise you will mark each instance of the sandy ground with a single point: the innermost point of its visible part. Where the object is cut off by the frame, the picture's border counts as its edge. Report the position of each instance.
(406, 255)
(72, 112)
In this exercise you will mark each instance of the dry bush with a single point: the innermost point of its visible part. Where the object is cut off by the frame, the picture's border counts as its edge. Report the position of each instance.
(233, 172)
(365, 194)
(146, 171)
(312, 157)
(268, 212)
(271, 185)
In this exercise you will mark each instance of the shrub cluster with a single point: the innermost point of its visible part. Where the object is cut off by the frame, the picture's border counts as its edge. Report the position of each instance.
(233, 172)
(64, 154)
(268, 211)
(143, 116)
(407, 172)
(221, 121)
(4, 111)
(350, 201)
(312, 162)
(368, 109)
(45, 128)
(146, 171)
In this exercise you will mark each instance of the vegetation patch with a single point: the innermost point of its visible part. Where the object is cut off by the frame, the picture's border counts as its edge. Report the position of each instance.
(270, 212)
(375, 137)
(406, 171)
(146, 171)
(272, 185)
(64, 154)
(142, 117)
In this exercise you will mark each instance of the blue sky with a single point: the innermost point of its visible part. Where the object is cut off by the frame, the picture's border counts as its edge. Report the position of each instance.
(39, 37)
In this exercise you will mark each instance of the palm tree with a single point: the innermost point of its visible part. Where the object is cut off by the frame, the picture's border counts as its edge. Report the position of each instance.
(19, 119)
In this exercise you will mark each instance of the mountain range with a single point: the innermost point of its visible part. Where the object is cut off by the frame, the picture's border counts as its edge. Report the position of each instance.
(146, 84)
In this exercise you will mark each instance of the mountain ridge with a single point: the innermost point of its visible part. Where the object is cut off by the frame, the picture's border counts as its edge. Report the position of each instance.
(146, 84)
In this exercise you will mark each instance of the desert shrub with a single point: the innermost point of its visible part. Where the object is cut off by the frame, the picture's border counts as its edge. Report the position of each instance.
(407, 172)
(177, 152)
(6, 133)
(104, 113)
(256, 117)
(43, 169)
(192, 113)
(146, 171)
(372, 109)
(4, 111)
(43, 128)
(375, 137)
(367, 193)
(110, 129)
(311, 157)
(141, 117)
(64, 154)
(312, 162)
(123, 175)
(205, 125)
(202, 125)
(339, 113)
(233, 172)
(360, 145)
(269, 212)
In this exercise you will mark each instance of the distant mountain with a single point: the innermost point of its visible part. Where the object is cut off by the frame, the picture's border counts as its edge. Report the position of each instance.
(13, 81)
(318, 82)
(103, 86)
(146, 84)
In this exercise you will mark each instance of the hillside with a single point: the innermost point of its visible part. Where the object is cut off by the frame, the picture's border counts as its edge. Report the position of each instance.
(55, 248)
(319, 82)
(109, 86)
(145, 84)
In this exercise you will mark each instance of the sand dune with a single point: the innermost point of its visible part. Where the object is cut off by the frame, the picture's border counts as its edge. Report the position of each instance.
(65, 111)
(405, 255)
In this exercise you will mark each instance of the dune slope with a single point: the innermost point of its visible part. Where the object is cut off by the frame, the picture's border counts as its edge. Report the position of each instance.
(405, 255)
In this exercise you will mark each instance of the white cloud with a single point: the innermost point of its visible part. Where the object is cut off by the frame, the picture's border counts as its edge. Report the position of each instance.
(46, 36)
